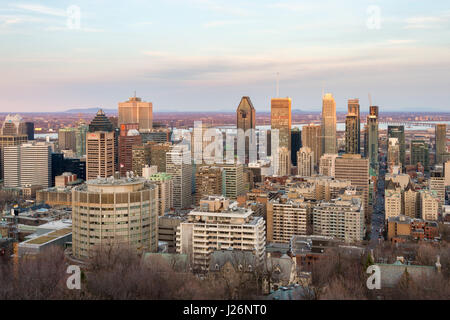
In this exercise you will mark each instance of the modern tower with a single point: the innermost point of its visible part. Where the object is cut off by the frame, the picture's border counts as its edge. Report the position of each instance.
(328, 124)
(312, 138)
(100, 148)
(129, 137)
(136, 111)
(399, 133)
(354, 109)
(441, 142)
(351, 134)
(179, 166)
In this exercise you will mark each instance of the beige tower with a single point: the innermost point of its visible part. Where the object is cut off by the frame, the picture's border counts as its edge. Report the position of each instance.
(136, 111)
(109, 211)
(328, 124)
(99, 154)
(281, 120)
(305, 162)
(311, 137)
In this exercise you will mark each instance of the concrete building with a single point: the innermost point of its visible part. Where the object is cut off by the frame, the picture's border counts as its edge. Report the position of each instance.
(447, 173)
(281, 120)
(106, 211)
(129, 137)
(410, 202)
(13, 133)
(29, 164)
(354, 134)
(328, 124)
(399, 133)
(80, 138)
(371, 139)
(179, 166)
(219, 225)
(209, 181)
(100, 148)
(245, 120)
(67, 139)
(354, 168)
(287, 217)
(164, 182)
(351, 133)
(342, 219)
(312, 138)
(429, 205)
(392, 203)
(158, 155)
(327, 165)
(419, 153)
(305, 162)
(437, 184)
(140, 158)
(440, 142)
(233, 184)
(393, 156)
(136, 111)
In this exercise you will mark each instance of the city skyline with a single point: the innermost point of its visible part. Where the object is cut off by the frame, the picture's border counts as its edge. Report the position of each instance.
(214, 52)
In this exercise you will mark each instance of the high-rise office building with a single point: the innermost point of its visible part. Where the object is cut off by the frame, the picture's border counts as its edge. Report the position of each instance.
(419, 153)
(158, 155)
(233, 184)
(328, 124)
(339, 218)
(447, 173)
(312, 138)
(393, 155)
(141, 158)
(441, 142)
(286, 218)
(282, 162)
(351, 134)
(296, 144)
(29, 164)
(29, 130)
(354, 168)
(354, 109)
(245, 120)
(437, 184)
(164, 182)
(129, 137)
(67, 139)
(13, 133)
(371, 138)
(281, 120)
(327, 165)
(305, 160)
(208, 182)
(136, 111)
(110, 206)
(429, 205)
(399, 133)
(100, 148)
(179, 166)
(80, 137)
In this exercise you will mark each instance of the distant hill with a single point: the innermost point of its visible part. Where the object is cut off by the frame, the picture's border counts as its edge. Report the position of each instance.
(90, 110)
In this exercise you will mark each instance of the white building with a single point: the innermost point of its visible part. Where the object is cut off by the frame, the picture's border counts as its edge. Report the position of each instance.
(178, 165)
(218, 225)
(327, 164)
(305, 162)
(29, 164)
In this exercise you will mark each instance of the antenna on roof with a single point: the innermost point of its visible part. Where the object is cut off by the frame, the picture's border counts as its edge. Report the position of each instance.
(370, 100)
(135, 93)
(323, 88)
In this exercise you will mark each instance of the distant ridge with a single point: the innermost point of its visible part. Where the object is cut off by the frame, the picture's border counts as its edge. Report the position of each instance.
(90, 110)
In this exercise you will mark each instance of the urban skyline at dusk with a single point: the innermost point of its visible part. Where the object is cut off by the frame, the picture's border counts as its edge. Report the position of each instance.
(207, 54)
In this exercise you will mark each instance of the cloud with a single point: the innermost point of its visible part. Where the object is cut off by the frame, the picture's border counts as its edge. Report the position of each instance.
(426, 22)
(36, 8)
(221, 23)
(400, 41)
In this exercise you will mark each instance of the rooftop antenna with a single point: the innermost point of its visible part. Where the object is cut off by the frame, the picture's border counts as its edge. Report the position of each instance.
(278, 84)
(370, 100)
(135, 93)
(323, 89)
